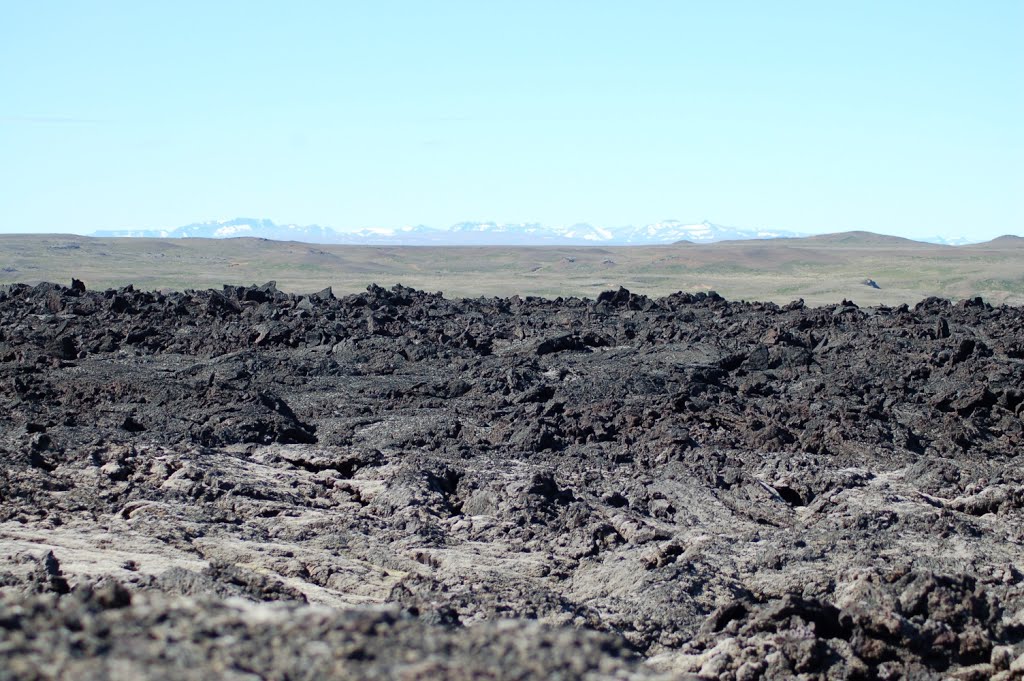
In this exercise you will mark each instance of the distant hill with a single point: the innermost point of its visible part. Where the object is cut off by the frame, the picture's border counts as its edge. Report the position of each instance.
(822, 270)
(868, 240)
(1005, 241)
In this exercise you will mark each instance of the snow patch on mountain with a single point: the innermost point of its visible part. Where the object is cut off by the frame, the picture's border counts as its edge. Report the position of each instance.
(950, 241)
(234, 230)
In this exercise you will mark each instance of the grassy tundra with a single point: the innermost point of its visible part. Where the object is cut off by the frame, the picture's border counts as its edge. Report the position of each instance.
(820, 269)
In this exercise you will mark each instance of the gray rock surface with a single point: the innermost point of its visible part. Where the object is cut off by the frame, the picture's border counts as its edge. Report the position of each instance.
(250, 484)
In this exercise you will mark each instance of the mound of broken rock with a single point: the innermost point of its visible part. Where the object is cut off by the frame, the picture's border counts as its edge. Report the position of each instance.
(250, 484)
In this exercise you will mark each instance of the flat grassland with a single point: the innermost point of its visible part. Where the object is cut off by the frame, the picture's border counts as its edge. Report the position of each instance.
(820, 269)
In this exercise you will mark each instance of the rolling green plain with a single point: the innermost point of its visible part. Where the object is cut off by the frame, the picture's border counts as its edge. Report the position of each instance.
(820, 269)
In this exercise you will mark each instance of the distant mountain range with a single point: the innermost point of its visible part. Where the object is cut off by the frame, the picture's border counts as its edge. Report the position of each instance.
(472, 234)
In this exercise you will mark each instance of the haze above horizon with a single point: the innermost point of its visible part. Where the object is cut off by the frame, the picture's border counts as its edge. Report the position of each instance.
(895, 118)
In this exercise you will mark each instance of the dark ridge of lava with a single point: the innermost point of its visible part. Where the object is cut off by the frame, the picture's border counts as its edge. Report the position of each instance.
(250, 484)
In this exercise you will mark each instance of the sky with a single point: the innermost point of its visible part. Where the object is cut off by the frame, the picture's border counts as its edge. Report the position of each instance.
(903, 118)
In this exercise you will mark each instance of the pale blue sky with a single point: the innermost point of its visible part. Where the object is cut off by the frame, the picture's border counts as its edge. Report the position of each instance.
(897, 117)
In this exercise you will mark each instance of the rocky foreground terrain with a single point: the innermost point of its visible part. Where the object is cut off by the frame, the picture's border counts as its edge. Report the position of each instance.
(248, 484)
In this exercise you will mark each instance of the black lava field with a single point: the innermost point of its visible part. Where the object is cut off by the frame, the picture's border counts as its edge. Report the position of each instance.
(249, 484)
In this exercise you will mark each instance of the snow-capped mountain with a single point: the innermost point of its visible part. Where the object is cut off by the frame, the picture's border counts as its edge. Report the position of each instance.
(704, 232)
(949, 241)
(460, 234)
(524, 234)
(226, 229)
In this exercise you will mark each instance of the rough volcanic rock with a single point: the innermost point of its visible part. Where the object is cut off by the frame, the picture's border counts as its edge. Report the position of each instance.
(248, 484)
